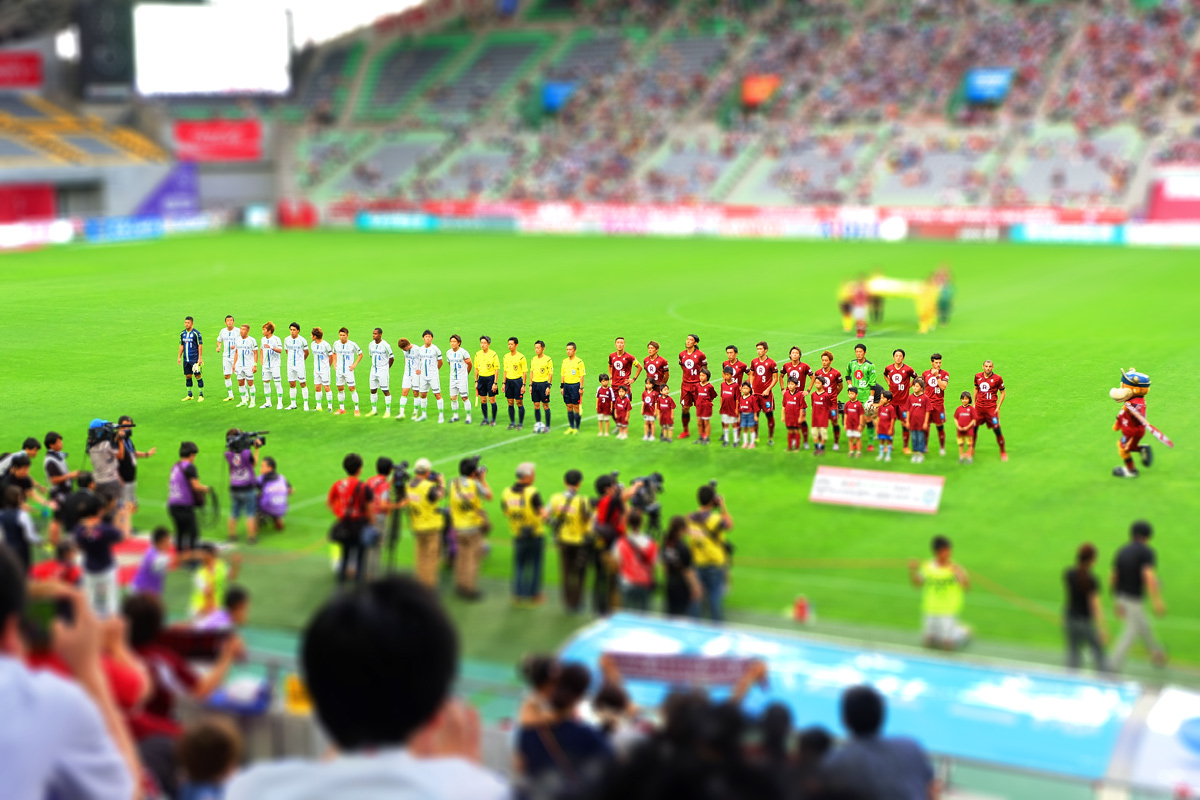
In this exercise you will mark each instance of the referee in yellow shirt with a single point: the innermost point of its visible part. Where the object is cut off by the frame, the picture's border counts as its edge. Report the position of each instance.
(541, 370)
(487, 364)
(516, 369)
(571, 388)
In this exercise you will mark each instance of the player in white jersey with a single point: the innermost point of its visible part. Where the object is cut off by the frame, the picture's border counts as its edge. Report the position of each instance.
(381, 362)
(408, 382)
(228, 351)
(295, 349)
(460, 376)
(346, 355)
(272, 355)
(245, 364)
(429, 361)
(322, 355)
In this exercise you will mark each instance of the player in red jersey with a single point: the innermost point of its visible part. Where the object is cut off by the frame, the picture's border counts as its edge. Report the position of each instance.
(886, 420)
(823, 401)
(623, 368)
(748, 407)
(795, 368)
(731, 360)
(691, 361)
(764, 374)
(605, 399)
(856, 414)
(706, 393)
(936, 380)
(666, 415)
(964, 422)
(989, 396)
(657, 368)
(833, 379)
(730, 392)
(918, 422)
(899, 378)
(649, 409)
(794, 403)
(621, 410)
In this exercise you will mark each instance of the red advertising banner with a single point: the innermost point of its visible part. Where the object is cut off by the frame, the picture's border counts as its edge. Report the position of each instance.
(219, 140)
(20, 69)
(21, 202)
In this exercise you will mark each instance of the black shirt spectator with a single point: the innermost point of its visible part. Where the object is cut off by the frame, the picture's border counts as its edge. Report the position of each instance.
(56, 466)
(1130, 566)
(96, 543)
(78, 504)
(1080, 588)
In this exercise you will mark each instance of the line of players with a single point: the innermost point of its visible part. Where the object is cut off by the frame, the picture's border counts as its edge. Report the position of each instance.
(916, 402)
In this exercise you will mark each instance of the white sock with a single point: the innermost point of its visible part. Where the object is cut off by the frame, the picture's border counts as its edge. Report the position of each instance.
(329, 397)
(467, 404)
(342, 399)
(354, 397)
(229, 385)
(440, 405)
(387, 403)
(279, 391)
(454, 404)
(291, 395)
(374, 399)
(304, 393)
(267, 391)
(251, 388)
(242, 393)
(404, 403)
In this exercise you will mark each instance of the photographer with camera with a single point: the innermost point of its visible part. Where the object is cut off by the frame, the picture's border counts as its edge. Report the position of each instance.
(350, 501)
(526, 512)
(608, 525)
(467, 494)
(184, 494)
(241, 454)
(388, 498)
(425, 491)
(127, 472)
(106, 447)
(711, 553)
(273, 494)
(569, 520)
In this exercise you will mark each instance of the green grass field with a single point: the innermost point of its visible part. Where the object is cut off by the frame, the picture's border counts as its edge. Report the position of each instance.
(93, 332)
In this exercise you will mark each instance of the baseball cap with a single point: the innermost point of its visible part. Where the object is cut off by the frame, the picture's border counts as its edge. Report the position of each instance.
(423, 465)
(525, 469)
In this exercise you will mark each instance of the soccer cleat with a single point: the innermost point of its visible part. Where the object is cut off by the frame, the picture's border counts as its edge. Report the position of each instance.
(519, 426)
(424, 416)
(292, 407)
(441, 418)
(1123, 472)
(568, 431)
(357, 413)
(685, 434)
(512, 426)
(1004, 456)
(373, 412)
(770, 442)
(340, 411)
(970, 459)
(806, 445)
(752, 445)
(227, 399)
(318, 408)
(185, 399)
(468, 419)
(889, 458)
(879, 457)
(724, 443)
(835, 447)
(306, 407)
(962, 460)
(907, 451)
(942, 452)
(200, 399)
(243, 403)
(483, 422)
(400, 413)
(279, 407)
(454, 418)
(870, 448)
(265, 405)
(387, 415)
(1147, 453)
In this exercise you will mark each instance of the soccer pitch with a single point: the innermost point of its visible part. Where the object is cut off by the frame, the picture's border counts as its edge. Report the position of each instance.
(93, 332)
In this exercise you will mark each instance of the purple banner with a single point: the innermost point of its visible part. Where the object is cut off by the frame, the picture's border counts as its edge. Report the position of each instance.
(177, 195)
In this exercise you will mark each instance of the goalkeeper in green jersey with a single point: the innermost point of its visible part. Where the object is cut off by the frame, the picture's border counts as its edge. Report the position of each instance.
(860, 374)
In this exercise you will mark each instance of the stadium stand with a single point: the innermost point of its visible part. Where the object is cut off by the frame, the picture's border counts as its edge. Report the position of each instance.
(400, 73)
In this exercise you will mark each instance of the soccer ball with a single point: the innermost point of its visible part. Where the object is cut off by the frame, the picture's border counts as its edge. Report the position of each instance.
(196, 369)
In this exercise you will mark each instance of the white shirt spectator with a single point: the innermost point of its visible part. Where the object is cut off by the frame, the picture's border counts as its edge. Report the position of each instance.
(386, 775)
(53, 742)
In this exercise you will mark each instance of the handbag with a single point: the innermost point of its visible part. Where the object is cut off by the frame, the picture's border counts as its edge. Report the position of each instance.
(344, 531)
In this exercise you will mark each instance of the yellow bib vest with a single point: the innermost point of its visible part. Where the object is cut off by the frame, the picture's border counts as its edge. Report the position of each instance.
(421, 511)
(518, 508)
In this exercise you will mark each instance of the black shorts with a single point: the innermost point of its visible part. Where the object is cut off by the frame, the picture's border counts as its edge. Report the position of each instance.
(485, 385)
(187, 368)
(571, 394)
(540, 391)
(513, 387)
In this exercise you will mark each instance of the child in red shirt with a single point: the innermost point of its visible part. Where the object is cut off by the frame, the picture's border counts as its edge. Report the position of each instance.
(855, 415)
(886, 422)
(824, 405)
(621, 409)
(730, 393)
(964, 421)
(748, 407)
(649, 406)
(604, 404)
(794, 404)
(666, 415)
(705, 394)
(918, 422)
(63, 568)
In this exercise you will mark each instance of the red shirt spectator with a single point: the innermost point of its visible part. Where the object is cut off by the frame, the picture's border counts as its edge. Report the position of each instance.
(346, 490)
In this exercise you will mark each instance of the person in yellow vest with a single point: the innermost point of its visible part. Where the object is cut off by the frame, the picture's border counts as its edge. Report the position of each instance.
(525, 512)
(541, 371)
(569, 518)
(467, 493)
(212, 577)
(571, 388)
(516, 368)
(487, 364)
(425, 491)
(942, 583)
(710, 550)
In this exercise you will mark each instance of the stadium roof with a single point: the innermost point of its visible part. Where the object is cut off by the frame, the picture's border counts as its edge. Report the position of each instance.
(321, 20)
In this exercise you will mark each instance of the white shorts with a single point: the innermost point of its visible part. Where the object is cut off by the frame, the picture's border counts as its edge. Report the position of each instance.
(729, 419)
(859, 313)
(430, 385)
(853, 434)
(603, 417)
(296, 373)
(227, 366)
(408, 382)
(460, 387)
(381, 380)
(649, 418)
(346, 379)
(245, 372)
(945, 630)
(270, 374)
(321, 376)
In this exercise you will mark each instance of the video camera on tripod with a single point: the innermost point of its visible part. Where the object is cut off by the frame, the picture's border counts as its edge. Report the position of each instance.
(101, 430)
(236, 441)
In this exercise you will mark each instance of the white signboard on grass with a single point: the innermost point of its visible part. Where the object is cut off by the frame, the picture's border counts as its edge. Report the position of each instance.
(894, 491)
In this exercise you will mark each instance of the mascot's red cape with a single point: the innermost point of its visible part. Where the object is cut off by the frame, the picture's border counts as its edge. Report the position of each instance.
(1131, 422)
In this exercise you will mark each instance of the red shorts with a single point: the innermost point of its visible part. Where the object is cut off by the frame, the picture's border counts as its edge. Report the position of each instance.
(704, 412)
(766, 404)
(987, 416)
(666, 420)
(687, 394)
(937, 414)
(1131, 438)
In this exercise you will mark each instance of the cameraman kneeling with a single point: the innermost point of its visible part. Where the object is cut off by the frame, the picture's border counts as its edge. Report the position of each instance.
(424, 492)
(273, 494)
(243, 489)
(184, 494)
(467, 493)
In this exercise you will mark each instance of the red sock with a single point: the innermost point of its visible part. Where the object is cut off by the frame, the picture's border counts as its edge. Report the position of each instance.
(941, 437)
(796, 439)
(687, 420)
(906, 437)
(771, 426)
(1129, 464)
(837, 433)
(1000, 439)
(804, 431)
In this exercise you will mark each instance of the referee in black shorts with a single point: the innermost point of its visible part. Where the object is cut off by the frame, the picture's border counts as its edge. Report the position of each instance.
(516, 368)
(191, 356)
(571, 387)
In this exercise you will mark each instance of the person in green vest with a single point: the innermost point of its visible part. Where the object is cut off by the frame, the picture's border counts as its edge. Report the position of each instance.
(525, 512)
(942, 583)
(211, 579)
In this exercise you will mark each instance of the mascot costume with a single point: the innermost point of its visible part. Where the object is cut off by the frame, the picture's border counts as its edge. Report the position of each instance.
(1131, 423)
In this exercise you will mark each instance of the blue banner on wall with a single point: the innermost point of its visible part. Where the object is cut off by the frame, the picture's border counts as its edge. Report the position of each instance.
(123, 229)
(988, 85)
(177, 195)
(555, 95)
